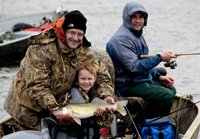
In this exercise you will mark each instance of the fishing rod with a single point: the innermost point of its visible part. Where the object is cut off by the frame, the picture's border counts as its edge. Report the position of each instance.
(130, 130)
(2, 9)
(171, 64)
(146, 56)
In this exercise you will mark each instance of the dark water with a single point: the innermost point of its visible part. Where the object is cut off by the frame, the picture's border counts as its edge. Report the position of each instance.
(172, 25)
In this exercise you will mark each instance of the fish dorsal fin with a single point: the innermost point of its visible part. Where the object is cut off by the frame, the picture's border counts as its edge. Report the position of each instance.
(78, 121)
(98, 100)
(77, 100)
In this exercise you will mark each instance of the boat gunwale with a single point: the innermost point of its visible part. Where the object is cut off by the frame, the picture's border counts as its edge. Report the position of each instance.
(19, 39)
(5, 119)
(194, 128)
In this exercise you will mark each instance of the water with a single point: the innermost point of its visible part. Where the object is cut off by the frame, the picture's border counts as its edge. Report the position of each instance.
(172, 25)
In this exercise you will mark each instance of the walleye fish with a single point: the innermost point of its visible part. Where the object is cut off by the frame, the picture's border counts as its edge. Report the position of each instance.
(85, 110)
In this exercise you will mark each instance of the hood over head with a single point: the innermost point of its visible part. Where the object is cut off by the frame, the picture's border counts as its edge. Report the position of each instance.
(131, 8)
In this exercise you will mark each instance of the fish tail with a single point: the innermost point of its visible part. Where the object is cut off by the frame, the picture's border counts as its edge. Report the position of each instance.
(120, 107)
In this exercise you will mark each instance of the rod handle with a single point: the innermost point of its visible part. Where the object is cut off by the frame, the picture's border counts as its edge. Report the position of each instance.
(177, 54)
(146, 56)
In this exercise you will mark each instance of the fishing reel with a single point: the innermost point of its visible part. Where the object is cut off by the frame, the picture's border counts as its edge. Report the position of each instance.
(171, 64)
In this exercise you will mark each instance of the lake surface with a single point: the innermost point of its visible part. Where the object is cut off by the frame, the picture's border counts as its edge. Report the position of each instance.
(172, 25)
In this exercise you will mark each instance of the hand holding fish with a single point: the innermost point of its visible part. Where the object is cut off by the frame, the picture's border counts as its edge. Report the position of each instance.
(109, 100)
(100, 111)
(63, 117)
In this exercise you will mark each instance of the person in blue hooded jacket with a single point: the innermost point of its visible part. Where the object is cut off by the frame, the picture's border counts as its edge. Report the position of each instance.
(135, 76)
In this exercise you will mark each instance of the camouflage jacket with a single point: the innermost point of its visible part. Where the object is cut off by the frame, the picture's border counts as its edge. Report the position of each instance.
(46, 73)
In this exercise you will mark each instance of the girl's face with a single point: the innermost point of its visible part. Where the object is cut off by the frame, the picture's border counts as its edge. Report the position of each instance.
(86, 80)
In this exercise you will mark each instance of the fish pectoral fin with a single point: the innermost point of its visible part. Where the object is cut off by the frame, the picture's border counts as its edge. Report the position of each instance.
(78, 121)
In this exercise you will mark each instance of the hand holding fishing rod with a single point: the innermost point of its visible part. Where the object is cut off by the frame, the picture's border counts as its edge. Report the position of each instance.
(146, 56)
(166, 56)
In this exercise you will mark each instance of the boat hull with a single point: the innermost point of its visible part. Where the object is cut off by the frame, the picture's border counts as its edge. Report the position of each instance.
(13, 48)
(12, 52)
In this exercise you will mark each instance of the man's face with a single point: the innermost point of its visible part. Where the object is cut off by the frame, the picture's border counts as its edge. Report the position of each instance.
(74, 37)
(137, 20)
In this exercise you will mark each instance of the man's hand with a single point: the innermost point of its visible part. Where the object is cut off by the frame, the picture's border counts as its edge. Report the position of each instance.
(64, 117)
(167, 56)
(109, 100)
(167, 81)
(100, 111)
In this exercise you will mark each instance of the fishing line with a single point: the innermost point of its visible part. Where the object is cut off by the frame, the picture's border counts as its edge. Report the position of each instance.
(174, 111)
(131, 118)
(149, 121)
(2, 8)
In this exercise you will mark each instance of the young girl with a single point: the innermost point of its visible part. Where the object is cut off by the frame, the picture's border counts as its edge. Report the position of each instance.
(86, 77)
(84, 89)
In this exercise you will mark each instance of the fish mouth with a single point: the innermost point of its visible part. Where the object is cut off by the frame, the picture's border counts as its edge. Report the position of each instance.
(57, 112)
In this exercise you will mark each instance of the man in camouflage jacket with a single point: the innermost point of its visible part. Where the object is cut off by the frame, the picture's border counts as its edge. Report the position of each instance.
(47, 73)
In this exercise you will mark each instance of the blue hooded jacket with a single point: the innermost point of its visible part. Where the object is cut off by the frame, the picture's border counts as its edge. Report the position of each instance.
(125, 47)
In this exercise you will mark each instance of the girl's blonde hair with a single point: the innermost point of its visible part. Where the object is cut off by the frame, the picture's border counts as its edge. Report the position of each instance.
(88, 66)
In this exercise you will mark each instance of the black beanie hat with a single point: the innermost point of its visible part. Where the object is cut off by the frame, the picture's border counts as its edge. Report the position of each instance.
(74, 19)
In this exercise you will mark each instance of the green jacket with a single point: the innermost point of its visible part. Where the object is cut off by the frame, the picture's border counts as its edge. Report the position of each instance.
(46, 73)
